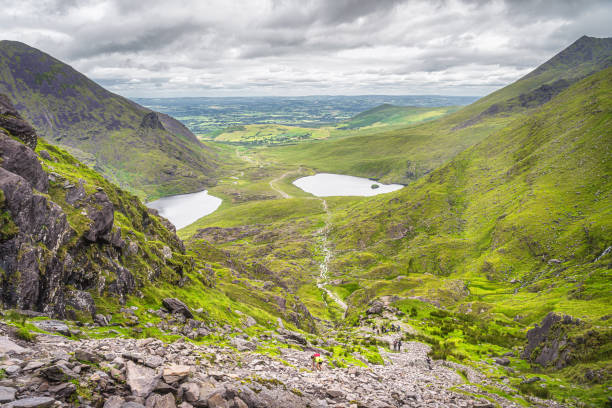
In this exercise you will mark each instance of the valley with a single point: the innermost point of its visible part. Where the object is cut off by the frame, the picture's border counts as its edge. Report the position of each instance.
(477, 234)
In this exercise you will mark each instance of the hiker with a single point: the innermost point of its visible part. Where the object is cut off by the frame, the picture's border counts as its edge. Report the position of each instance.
(399, 344)
(317, 362)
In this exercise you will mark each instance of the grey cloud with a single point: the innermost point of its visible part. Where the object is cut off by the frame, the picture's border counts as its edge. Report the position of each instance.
(191, 47)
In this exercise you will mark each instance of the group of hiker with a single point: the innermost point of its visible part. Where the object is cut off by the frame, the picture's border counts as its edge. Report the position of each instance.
(383, 328)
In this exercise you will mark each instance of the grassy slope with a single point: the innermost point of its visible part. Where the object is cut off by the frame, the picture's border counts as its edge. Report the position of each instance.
(403, 155)
(103, 129)
(514, 223)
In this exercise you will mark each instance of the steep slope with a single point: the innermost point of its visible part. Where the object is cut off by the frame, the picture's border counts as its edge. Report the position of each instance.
(404, 155)
(512, 216)
(149, 153)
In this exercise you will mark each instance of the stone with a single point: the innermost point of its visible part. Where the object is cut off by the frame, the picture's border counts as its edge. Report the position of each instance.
(153, 361)
(503, 361)
(21, 160)
(56, 326)
(531, 380)
(249, 322)
(217, 401)
(114, 401)
(375, 308)
(86, 355)
(7, 346)
(101, 320)
(132, 404)
(7, 394)
(141, 380)
(33, 402)
(160, 401)
(239, 403)
(33, 365)
(175, 373)
(174, 305)
(190, 391)
(243, 345)
(63, 391)
(334, 393)
(57, 373)
(12, 121)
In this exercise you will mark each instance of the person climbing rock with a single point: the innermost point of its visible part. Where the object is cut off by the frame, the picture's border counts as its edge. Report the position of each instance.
(317, 362)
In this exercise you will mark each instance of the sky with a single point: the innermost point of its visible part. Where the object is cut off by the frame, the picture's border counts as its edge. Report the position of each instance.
(161, 48)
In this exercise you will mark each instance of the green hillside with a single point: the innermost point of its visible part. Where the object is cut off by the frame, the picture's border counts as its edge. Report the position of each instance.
(148, 153)
(403, 155)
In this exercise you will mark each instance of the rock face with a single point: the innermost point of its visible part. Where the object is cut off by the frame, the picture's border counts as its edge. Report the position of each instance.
(547, 343)
(48, 264)
(15, 124)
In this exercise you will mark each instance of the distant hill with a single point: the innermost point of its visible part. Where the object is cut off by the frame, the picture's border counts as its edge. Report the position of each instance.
(406, 154)
(149, 153)
(388, 114)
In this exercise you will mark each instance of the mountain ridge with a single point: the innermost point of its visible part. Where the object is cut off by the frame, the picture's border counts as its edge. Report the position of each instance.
(105, 130)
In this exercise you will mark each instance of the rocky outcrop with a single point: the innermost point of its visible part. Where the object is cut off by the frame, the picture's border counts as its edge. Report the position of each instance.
(56, 248)
(547, 343)
(13, 123)
(151, 121)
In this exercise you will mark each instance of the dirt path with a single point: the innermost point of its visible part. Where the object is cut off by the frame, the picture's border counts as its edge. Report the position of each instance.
(279, 178)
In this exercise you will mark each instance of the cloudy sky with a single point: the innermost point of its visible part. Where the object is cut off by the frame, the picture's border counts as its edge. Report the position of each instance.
(302, 47)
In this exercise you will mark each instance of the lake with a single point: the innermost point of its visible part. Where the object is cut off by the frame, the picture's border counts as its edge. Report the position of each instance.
(184, 209)
(327, 184)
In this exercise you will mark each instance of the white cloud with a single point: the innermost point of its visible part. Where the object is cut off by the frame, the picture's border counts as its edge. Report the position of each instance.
(293, 47)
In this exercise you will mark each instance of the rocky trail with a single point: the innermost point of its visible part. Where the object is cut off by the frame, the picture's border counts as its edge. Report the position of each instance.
(323, 280)
(132, 373)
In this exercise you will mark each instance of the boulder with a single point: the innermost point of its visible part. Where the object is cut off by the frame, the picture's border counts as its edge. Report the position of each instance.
(58, 373)
(175, 373)
(13, 122)
(101, 320)
(503, 361)
(114, 401)
(56, 326)
(19, 159)
(190, 391)
(7, 394)
(375, 308)
(141, 380)
(7, 346)
(160, 401)
(34, 402)
(86, 355)
(174, 305)
(243, 345)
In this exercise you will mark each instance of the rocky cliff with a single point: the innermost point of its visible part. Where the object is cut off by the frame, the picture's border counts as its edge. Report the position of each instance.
(60, 240)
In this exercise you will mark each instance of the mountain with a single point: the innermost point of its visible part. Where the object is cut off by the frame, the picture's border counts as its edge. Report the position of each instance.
(505, 249)
(403, 155)
(149, 153)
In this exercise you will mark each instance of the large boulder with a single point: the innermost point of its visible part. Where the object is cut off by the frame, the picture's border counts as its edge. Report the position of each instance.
(174, 305)
(11, 120)
(141, 380)
(20, 159)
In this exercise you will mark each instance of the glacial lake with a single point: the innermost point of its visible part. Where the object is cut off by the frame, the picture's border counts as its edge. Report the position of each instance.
(184, 209)
(327, 185)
